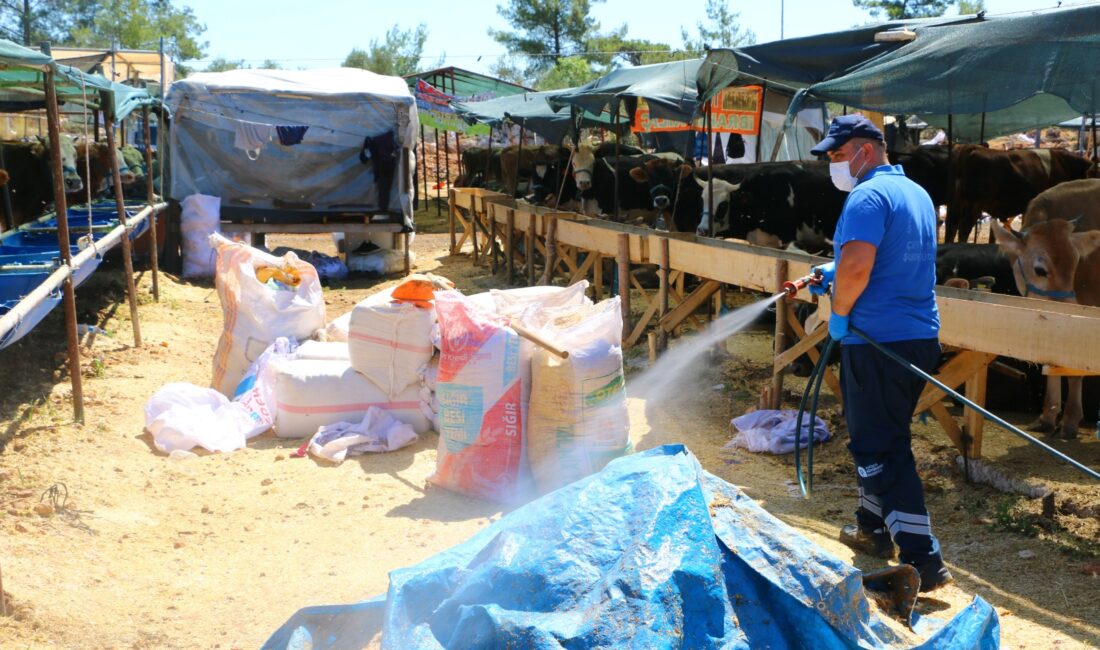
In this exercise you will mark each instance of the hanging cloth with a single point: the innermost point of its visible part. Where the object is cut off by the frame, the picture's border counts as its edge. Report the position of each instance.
(250, 137)
(290, 135)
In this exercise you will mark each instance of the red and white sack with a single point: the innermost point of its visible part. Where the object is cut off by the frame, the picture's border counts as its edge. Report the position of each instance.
(388, 341)
(578, 419)
(310, 393)
(482, 389)
(254, 313)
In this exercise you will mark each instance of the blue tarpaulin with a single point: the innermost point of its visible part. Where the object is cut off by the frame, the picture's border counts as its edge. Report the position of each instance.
(652, 552)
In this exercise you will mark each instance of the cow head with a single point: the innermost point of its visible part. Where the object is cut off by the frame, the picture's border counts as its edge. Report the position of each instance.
(663, 178)
(4, 177)
(584, 161)
(720, 211)
(73, 181)
(1045, 256)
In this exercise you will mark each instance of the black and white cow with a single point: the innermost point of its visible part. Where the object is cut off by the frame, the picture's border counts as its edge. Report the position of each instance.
(671, 186)
(776, 204)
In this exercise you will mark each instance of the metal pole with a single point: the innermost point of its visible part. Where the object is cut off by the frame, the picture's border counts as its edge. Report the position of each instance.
(710, 167)
(760, 118)
(9, 213)
(438, 200)
(127, 247)
(424, 165)
(981, 131)
(161, 150)
(150, 198)
(53, 124)
(519, 159)
(618, 161)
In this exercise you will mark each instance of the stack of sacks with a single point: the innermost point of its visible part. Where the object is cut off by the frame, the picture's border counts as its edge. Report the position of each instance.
(483, 387)
(578, 421)
(388, 343)
(429, 403)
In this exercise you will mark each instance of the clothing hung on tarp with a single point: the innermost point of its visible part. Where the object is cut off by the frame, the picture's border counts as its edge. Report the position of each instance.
(290, 135)
(250, 137)
(382, 152)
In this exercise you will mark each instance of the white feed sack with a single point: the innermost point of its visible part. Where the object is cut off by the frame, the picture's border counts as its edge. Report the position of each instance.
(389, 341)
(327, 350)
(255, 313)
(200, 218)
(578, 419)
(310, 393)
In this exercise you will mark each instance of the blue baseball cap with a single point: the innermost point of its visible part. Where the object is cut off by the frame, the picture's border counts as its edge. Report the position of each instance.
(844, 128)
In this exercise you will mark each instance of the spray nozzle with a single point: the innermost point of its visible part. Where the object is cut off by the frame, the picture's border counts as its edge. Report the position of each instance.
(792, 287)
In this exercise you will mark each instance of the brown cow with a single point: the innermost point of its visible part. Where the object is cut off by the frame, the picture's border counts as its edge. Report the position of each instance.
(94, 158)
(1002, 183)
(1056, 259)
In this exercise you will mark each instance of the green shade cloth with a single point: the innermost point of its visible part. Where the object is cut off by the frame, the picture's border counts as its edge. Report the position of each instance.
(22, 75)
(668, 88)
(529, 110)
(465, 84)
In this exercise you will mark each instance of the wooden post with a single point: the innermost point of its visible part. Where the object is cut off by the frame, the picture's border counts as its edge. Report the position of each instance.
(53, 125)
(408, 255)
(473, 226)
(529, 253)
(5, 193)
(494, 248)
(597, 277)
(447, 169)
(975, 391)
(438, 198)
(618, 160)
(150, 199)
(451, 220)
(662, 291)
(623, 259)
(780, 333)
(710, 169)
(651, 343)
(127, 246)
(424, 174)
(551, 248)
(510, 246)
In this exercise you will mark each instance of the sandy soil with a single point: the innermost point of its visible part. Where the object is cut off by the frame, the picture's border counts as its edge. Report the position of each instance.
(217, 551)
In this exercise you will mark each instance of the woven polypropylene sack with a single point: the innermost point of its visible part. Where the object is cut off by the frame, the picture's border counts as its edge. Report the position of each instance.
(388, 341)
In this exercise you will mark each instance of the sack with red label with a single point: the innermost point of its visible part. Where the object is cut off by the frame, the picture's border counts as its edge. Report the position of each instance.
(482, 390)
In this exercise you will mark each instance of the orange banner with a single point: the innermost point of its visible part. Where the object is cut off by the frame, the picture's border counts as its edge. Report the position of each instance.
(733, 110)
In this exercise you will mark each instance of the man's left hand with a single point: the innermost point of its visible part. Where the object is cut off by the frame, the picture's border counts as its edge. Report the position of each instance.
(838, 326)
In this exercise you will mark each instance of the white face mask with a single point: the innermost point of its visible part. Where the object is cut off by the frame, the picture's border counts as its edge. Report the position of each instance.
(841, 174)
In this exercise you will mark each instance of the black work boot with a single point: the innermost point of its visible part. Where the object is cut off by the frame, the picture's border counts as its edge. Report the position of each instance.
(876, 543)
(933, 574)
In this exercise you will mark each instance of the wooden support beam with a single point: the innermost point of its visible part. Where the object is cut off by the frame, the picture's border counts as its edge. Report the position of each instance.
(689, 304)
(662, 291)
(473, 233)
(780, 342)
(1059, 371)
(950, 427)
(494, 248)
(623, 261)
(798, 349)
(591, 260)
(510, 246)
(68, 295)
(529, 250)
(154, 252)
(975, 392)
(958, 369)
(551, 249)
(127, 246)
(640, 326)
(830, 377)
(597, 277)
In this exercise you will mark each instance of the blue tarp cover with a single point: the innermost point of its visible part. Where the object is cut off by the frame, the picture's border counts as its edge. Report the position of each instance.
(652, 552)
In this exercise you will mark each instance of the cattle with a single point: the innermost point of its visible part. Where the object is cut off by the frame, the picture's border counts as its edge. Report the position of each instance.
(532, 163)
(93, 164)
(481, 167)
(927, 166)
(598, 199)
(777, 204)
(4, 178)
(671, 188)
(588, 152)
(974, 264)
(30, 185)
(1001, 183)
(1057, 259)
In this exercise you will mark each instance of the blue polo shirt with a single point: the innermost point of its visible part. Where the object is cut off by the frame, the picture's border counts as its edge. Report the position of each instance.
(896, 215)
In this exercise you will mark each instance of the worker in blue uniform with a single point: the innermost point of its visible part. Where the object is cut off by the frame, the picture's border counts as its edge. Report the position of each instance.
(882, 281)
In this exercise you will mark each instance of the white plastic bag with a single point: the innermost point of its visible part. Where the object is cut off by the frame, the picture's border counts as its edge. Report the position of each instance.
(183, 416)
(200, 217)
(578, 419)
(255, 313)
(377, 432)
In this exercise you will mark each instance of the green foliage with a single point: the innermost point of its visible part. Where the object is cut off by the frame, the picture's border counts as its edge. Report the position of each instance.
(617, 49)
(546, 31)
(1007, 519)
(720, 29)
(967, 7)
(509, 68)
(568, 72)
(898, 9)
(397, 54)
(269, 64)
(221, 64)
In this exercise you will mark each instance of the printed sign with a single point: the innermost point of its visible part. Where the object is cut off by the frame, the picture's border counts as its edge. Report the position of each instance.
(434, 109)
(733, 110)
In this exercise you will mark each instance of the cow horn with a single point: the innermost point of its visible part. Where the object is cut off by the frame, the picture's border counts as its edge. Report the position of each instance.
(702, 183)
(1076, 221)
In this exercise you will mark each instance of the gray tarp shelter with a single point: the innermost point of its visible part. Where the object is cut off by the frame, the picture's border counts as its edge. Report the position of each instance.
(531, 111)
(668, 88)
(1021, 70)
(341, 108)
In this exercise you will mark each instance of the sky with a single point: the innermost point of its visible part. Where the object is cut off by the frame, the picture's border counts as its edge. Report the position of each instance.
(321, 33)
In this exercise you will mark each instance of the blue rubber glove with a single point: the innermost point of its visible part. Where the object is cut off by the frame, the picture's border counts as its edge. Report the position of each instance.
(828, 273)
(838, 326)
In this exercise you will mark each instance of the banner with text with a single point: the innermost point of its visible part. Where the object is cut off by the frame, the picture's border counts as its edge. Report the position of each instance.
(434, 109)
(733, 110)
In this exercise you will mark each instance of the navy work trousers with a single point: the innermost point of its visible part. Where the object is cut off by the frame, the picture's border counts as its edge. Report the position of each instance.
(879, 398)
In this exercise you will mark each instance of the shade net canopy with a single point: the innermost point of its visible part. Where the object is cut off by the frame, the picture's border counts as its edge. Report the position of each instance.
(668, 88)
(465, 83)
(531, 111)
(651, 552)
(326, 171)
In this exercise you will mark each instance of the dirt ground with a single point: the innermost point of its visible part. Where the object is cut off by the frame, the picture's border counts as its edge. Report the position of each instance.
(216, 551)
